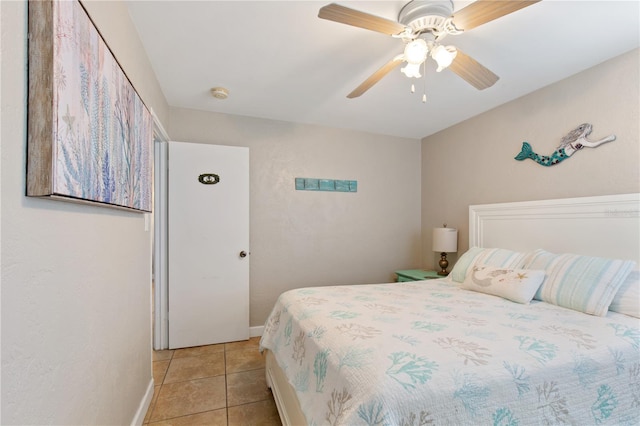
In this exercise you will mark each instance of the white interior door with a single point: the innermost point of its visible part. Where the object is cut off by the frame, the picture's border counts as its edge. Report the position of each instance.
(208, 244)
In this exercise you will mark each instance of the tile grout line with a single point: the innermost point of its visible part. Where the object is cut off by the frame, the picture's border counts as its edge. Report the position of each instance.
(226, 381)
(155, 403)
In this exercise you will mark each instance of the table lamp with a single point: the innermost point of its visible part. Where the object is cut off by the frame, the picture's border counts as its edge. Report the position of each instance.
(445, 240)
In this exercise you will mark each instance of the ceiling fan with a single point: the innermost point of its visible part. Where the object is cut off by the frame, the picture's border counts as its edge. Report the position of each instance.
(421, 25)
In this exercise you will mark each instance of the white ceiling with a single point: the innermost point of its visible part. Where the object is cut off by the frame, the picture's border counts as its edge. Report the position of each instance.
(280, 61)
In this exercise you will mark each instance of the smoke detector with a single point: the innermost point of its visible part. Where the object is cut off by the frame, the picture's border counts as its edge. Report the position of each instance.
(220, 93)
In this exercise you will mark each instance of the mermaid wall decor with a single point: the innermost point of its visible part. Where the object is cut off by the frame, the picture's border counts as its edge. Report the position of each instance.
(572, 142)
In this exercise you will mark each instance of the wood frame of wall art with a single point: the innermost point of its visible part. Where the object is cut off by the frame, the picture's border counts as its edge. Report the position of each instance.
(90, 136)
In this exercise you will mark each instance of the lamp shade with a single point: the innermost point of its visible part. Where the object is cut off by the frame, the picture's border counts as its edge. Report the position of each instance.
(445, 240)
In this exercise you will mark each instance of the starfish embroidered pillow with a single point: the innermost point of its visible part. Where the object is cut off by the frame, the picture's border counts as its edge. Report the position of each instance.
(517, 285)
(487, 256)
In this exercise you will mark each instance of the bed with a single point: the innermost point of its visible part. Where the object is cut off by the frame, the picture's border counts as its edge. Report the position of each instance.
(477, 347)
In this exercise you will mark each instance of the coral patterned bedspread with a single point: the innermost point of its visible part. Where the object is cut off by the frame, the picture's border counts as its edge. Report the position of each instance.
(429, 352)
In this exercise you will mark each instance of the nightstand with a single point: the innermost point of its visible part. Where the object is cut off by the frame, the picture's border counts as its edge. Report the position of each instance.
(416, 275)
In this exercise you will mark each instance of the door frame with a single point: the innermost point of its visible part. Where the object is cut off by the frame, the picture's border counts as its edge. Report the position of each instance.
(160, 310)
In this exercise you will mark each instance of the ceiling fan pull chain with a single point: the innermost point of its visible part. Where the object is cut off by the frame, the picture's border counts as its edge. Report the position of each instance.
(413, 88)
(424, 89)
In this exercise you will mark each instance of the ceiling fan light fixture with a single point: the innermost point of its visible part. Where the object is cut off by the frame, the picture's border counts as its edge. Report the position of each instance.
(415, 52)
(425, 15)
(411, 70)
(444, 56)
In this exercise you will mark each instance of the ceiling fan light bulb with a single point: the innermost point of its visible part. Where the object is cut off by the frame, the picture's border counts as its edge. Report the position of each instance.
(411, 70)
(415, 52)
(444, 56)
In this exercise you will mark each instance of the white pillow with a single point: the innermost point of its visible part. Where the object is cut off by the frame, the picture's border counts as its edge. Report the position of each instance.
(517, 285)
(627, 299)
(487, 256)
(582, 283)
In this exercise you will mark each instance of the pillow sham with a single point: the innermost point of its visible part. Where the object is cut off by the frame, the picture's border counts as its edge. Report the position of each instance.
(517, 285)
(582, 283)
(487, 256)
(627, 299)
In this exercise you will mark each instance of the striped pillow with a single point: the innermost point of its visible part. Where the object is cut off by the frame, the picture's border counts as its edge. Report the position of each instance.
(582, 283)
(486, 256)
(627, 299)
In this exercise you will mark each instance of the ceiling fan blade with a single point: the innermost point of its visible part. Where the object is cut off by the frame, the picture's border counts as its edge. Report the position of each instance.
(375, 77)
(483, 11)
(472, 71)
(344, 15)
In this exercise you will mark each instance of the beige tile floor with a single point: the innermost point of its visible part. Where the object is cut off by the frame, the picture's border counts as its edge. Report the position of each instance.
(217, 385)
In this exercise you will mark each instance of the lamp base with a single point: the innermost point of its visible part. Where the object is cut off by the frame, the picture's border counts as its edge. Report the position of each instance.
(444, 264)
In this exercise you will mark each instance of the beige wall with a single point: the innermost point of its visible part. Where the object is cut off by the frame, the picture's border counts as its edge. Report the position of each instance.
(303, 238)
(473, 162)
(76, 322)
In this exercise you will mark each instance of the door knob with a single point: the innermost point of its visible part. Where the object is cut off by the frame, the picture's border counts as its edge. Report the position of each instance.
(243, 253)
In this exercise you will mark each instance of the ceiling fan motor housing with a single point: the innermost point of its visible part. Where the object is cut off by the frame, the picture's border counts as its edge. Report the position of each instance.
(426, 15)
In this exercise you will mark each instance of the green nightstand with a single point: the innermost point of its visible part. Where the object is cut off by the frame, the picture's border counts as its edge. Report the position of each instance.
(416, 275)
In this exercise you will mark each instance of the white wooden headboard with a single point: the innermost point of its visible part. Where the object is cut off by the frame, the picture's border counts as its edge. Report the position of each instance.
(604, 226)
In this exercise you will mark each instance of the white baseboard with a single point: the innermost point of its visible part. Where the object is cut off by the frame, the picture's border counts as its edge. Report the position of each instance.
(256, 331)
(138, 419)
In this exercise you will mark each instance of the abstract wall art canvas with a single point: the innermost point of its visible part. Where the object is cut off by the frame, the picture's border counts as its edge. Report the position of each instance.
(90, 136)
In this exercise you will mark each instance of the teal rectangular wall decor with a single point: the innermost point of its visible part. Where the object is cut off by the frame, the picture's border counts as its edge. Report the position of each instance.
(332, 185)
